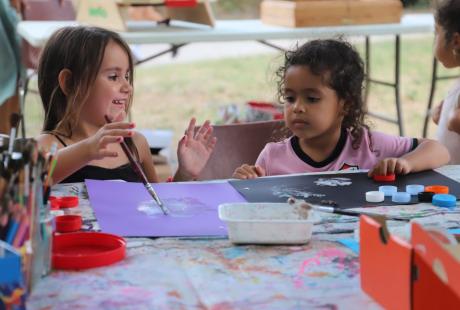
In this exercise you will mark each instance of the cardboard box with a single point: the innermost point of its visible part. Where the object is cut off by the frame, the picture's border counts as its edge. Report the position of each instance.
(422, 274)
(113, 14)
(309, 13)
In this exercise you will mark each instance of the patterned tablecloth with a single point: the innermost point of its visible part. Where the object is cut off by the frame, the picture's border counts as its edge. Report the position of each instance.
(181, 273)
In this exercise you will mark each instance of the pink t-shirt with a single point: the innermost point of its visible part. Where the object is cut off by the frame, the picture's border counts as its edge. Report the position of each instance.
(286, 157)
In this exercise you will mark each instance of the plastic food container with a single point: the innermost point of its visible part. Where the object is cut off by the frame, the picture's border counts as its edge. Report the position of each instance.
(267, 223)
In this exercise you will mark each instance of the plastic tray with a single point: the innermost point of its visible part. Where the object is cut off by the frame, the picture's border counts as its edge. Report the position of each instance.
(266, 223)
(83, 250)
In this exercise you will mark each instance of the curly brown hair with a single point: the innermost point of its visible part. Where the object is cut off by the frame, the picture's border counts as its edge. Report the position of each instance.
(341, 68)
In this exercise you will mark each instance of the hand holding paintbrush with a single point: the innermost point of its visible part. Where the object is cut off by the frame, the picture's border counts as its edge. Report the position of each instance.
(138, 169)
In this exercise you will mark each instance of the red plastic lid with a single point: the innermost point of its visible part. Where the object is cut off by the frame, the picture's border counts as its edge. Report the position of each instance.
(63, 202)
(437, 189)
(82, 250)
(384, 178)
(68, 223)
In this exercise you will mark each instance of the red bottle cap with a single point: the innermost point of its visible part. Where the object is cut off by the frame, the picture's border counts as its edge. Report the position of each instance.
(68, 223)
(384, 178)
(63, 202)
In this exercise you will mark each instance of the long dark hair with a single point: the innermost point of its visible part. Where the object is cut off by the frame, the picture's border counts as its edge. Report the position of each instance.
(341, 68)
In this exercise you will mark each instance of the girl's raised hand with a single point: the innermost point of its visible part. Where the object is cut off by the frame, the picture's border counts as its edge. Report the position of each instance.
(194, 150)
(248, 172)
(391, 166)
(108, 134)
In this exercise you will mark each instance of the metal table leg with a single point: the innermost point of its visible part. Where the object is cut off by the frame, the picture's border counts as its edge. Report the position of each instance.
(396, 85)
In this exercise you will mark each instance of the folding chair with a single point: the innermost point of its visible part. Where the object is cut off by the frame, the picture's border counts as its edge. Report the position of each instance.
(239, 144)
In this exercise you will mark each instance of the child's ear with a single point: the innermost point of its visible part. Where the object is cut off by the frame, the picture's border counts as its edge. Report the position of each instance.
(64, 77)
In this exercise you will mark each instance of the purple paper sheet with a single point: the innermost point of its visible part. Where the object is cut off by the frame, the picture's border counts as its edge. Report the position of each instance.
(126, 209)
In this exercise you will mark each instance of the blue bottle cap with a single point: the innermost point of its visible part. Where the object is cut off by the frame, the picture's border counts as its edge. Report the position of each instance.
(414, 189)
(401, 197)
(388, 190)
(444, 200)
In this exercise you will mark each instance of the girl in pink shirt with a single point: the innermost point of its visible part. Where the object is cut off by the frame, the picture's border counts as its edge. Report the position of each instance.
(320, 85)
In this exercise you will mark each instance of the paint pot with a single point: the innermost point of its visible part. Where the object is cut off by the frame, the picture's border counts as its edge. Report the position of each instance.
(267, 223)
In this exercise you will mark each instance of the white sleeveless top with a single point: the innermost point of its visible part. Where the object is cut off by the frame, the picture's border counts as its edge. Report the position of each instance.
(449, 138)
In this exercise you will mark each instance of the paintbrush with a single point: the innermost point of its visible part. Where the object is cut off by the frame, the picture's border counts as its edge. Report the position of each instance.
(329, 209)
(14, 121)
(138, 169)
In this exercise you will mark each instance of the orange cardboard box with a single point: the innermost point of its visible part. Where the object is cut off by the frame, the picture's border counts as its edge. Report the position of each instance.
(422, 274)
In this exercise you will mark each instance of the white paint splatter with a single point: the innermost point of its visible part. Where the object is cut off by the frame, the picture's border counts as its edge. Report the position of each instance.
(183, 207)
(333, 182)
(286, 192)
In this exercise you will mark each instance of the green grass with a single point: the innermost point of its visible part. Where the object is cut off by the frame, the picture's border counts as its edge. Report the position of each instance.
(166, 96)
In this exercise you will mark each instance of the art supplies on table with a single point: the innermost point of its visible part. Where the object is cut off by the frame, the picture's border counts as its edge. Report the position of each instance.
(138, 169)
(193, 208)
(347, 190)
(25, 222)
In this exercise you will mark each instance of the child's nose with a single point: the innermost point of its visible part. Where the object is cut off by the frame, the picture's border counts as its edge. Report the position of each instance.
(299, 106)
(127, 87)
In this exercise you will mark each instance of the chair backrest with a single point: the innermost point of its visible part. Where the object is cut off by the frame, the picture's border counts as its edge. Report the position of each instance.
(42, 10)
(239, 144)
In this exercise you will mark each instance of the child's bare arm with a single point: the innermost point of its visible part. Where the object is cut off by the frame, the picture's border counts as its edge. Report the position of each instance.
(429, 154)
(75, 156)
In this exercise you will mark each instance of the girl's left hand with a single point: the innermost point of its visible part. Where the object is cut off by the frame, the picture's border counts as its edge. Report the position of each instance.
(194, 151)
(391, 166)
